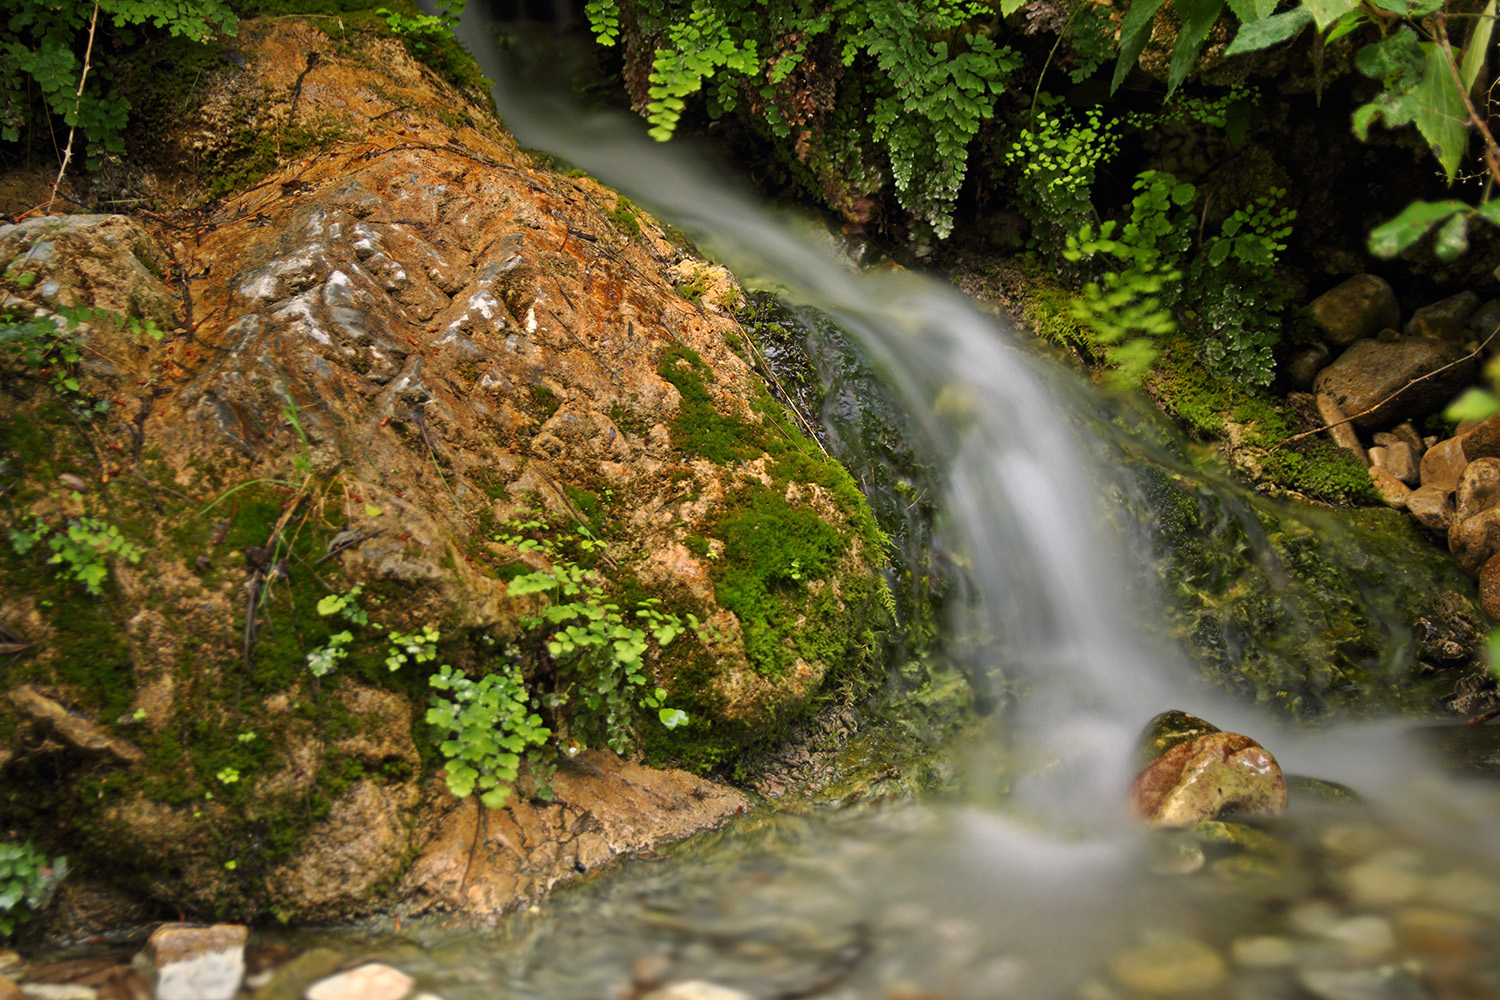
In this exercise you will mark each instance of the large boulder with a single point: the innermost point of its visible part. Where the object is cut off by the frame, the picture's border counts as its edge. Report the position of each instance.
(417, 362)
(1379, 383)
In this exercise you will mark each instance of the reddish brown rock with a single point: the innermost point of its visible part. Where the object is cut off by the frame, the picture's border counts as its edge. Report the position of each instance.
(1475, 539)
(1393, 492)
(1339, 427)
(1359, 307)
(1489, 588)
(1478, 488)
(1432, 507)
(1403, 462)
(1483, 440)
(1447, 318)
(1201, 778)
(1443, 464)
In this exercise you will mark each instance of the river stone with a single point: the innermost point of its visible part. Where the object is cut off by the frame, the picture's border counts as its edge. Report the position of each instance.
(1372, 382)
(9, 990)
(1489, 587)
(368, 982)
(61, 991)
(696, 989)
(1393, 492)
(1485, 322)
(1196, 780)
(1264, 952)
(1304, 365)
(1478, 488)
(1403, 462)
(1168, 967)
(1446, 318)
(1475, 539)
(1359, 307)
(1386, 982)
(1443, 464)
(288, 982)
(1483, 439)
(1339, 427)
(1432, 507)
(194, 963)
(1167, 730)
(1383, 880)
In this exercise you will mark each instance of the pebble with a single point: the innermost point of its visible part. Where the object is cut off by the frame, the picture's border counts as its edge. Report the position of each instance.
(1468, 892)
(368, 982)
(9, 990)
(1264, 952)
(1353, 840)
(696, 989)
(1384, 880)
(1169, 966)
(194, 963)
(1385, 982)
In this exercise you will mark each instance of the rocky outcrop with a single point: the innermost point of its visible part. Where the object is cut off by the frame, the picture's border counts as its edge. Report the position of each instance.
(417, 362)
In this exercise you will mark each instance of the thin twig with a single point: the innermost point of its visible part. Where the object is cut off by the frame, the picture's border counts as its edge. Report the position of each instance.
(77, 103)
(1371, 409)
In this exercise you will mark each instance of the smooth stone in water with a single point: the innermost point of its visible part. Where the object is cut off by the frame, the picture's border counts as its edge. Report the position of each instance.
(1169, 966)
(1365, 936)
(9, 990)
(1167, 730)
(1431, 507)
(1196, 780)
(1264, 952)
(1385, 982)
(696, 989)
(368, 982)
(59, 991)
(1384, 880)
(288, 982)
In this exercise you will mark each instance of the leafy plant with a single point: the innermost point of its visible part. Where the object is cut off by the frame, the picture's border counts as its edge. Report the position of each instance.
(81, 547)
(53, 345)
(39, 55)
(1056, 158)
(488, 725)
(26, 881)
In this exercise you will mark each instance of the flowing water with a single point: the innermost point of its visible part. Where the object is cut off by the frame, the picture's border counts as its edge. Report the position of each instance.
(1032, 881)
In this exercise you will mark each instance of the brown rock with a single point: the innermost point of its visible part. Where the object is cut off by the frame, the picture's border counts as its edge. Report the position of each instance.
(1339, 428)
(1432, 506)
(1406, 432)
(1393, 492)
(9, 990)
(79, 734)
(1376, 383)
(1443, 464)
(1447, 318)
(1489, 587)
(1302, 367)
(1485, 322)
(1405, 463)
(1379, 456)
(1475, 539)
(1197, 780)
(604, 808)
(1483, 439)
(1359, 307)
(1478, 488)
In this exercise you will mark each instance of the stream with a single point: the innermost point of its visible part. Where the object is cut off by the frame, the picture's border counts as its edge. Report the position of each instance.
(1028, 877)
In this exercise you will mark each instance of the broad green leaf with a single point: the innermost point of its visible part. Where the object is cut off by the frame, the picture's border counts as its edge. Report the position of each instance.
(1009, 7)
(1474, 404)
(1408, 8)
(1477, 46)
(1440, 114)
(1268, 32)
(1135, 31)
(1250, 11)
(1390, 238)
(1453, 239)
(1490, 212)
(1325, 12)
(1200, 21)
(1349, 22)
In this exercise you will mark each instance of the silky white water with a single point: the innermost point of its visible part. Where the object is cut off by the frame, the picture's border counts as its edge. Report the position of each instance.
(1024, 899)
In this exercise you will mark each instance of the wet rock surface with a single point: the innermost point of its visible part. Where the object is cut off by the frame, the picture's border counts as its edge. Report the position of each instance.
(1202, 776)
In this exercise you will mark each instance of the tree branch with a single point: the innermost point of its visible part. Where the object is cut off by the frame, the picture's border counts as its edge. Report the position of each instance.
(88, 53)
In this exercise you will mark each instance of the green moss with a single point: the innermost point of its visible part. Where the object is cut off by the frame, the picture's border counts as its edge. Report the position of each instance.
(623, 215)
(628, 422)
(544, 400)
(698, 428)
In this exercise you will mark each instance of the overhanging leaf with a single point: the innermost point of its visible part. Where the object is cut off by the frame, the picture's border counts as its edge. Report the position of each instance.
(1325, 12)
(1453, 239)
(1250, 11)
(1135, 31)
(1440, 114)
(1200, 21)
(1390, 238)
(1268, 32)
(1478, 46)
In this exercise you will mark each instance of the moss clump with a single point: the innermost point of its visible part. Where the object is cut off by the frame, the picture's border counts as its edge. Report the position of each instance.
(623, 215)
(698, 428)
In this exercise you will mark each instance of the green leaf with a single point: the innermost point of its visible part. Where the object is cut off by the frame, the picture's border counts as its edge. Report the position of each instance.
(1390, 238)
(1477, 47)
(1325, 12)
(1190, 38)
(1474, 404)
(1453, 239)
(1250, 11)
(1270, 31)
(1440, 115)
(1135, 31)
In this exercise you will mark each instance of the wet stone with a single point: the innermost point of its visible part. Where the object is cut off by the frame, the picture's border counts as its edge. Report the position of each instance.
(1196, 780)
(368, 982)
(1385, 982)
(1383, 880)
(58, 991)
(194, 963)
(1169, 966)
(1393, 492)
(1443, 464)
(1431, 506)
(696, 989)
(1264, 952)
(288, 982)
(1358, 307)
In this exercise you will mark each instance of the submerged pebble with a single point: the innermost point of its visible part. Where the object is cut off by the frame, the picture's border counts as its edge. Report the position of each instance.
(1169, 966)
